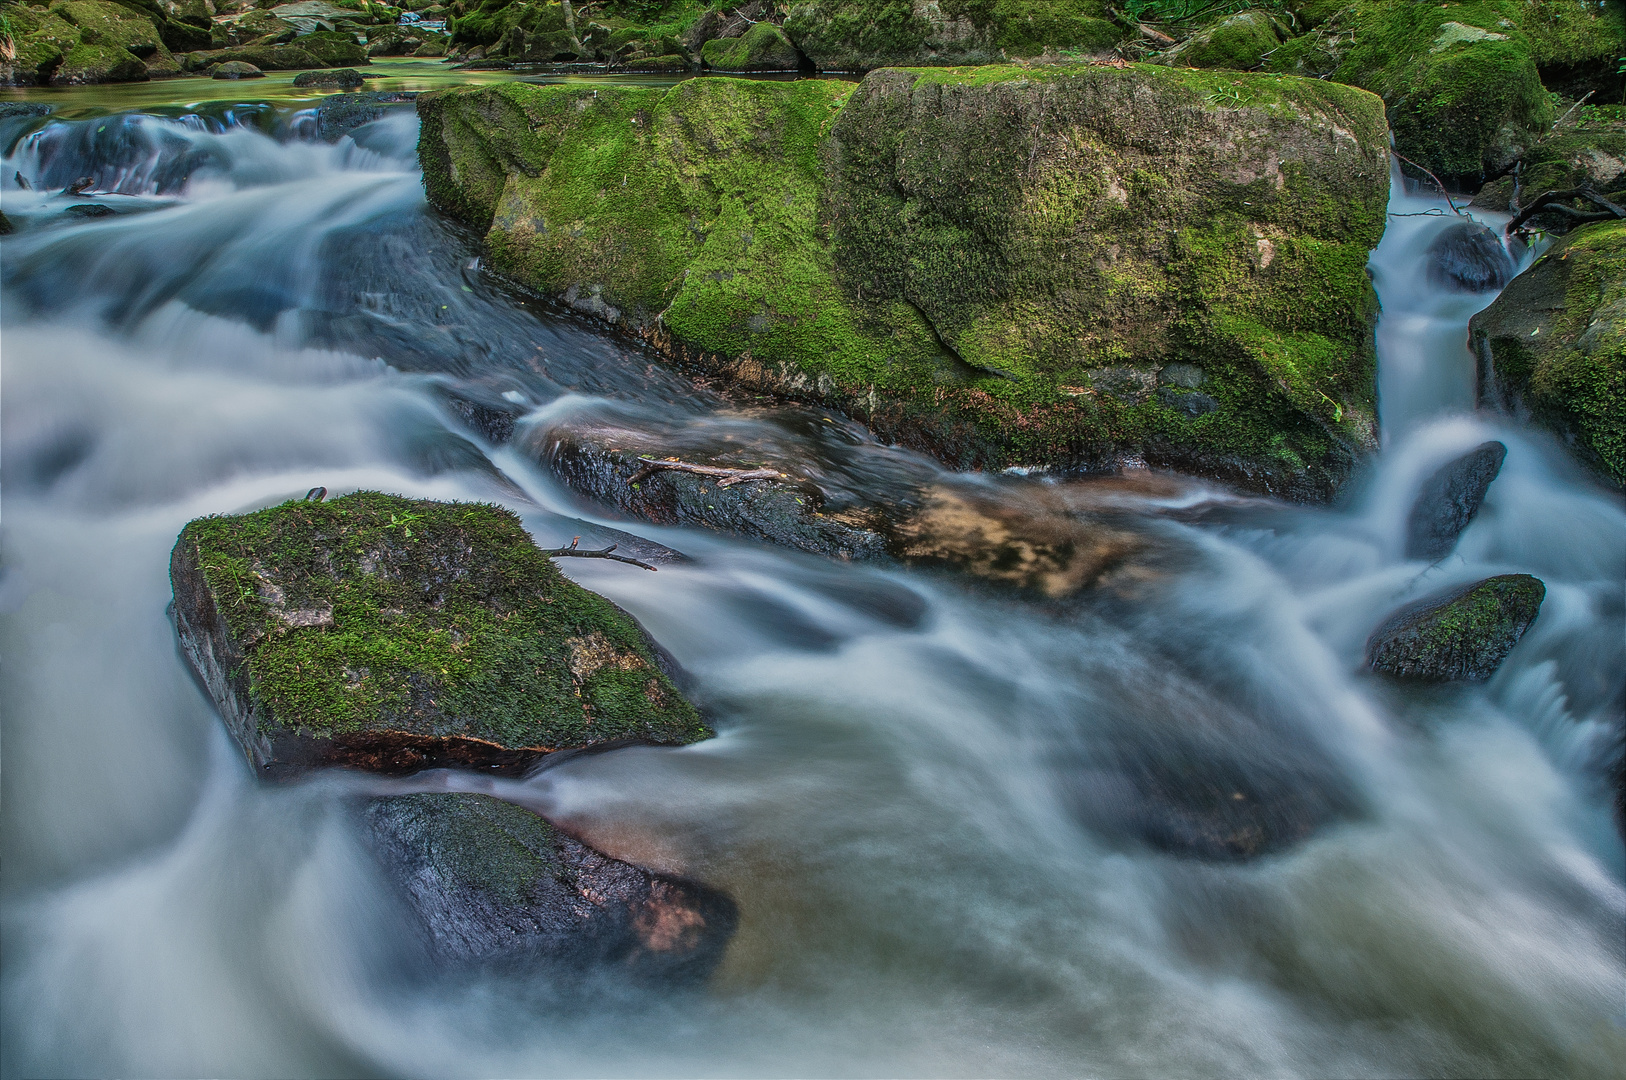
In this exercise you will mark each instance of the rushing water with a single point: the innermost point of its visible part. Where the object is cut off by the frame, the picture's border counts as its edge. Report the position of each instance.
(906, 794)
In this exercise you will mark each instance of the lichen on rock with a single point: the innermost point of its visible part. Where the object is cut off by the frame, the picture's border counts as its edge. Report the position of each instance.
(1463, 635)
(395, 634)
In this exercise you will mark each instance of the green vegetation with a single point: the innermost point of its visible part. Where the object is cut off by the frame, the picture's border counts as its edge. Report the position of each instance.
(377, 613)
(968, 258)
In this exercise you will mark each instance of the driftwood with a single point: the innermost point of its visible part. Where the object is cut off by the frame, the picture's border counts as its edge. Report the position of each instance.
(591, 553)
(1437, 183)
(728, 477)
(1555, 201)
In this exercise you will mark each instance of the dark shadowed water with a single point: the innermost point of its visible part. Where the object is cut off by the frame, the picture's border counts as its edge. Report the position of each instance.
(944, 811)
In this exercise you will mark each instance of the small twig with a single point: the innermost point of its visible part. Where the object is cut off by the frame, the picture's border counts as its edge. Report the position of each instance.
(1432, 177)
(1555, 200)
(1560, 121)
(730, 477)
(589, 553)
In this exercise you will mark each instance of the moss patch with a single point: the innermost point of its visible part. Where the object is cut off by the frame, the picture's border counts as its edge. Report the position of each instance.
(377, 613)
(1464, 635)
(860, 35)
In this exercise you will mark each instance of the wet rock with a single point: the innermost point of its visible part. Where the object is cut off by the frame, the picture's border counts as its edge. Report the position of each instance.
(236, 69)
(392, 634)
(6, 227)
(491, 882)
(90, 64)
(1463, 635)
(1552, 346)
(90, 210)
(341, 114)
(1449, 499)
(488, 413)
(764, 47)
(9, 109)
(338, 78)
(1469, 257)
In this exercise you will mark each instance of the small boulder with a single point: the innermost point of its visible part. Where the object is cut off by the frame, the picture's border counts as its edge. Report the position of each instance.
(490, 881)
(393, 635)
(1449, 499)
(90, 210)
(236, 69)
(334, 79)
(764, 47)
(1463, 635)
(1469, 257)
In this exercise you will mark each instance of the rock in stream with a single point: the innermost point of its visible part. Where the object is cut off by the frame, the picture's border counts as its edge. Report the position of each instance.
(1463, 635)
(1449, 499)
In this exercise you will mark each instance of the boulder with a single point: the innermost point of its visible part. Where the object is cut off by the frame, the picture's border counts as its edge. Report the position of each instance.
(1462, 635)
(860, 35)
(393, 634)
(333, 49)
(266, 58)
(762, 48)
(340, 78)
(87, 64)
(1469, 257)
(955, 258)
(491, 882)
(101, 22)
(1449, 499)
(341, 114)
(1241, 41)
(236, 69)
(1552, 346)
(39, 41)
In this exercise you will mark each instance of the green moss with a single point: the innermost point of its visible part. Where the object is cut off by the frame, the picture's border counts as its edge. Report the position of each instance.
(98, 64)
(445, 620)
(333, 49)
(1241, 42)
(858, 35)
(1481, 614)
(475, 841)
(764, 47)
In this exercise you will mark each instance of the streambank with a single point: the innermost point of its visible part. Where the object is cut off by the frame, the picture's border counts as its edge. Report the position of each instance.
(1071, 266)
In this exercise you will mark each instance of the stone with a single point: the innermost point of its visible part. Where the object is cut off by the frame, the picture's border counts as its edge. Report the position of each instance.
(1462, 635)
(341, 114)
(393, 635)
(1241, 41)
(764, 47)
(490, 882)
(91, 210)
(1552, 346)
(861, 35)
(339, 78)
(90, 64)
(1469, 257)
(1449, 499)
(236, 69)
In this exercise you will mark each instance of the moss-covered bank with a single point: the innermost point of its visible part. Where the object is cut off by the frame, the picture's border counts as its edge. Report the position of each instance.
(1070, 264)
(1553, 345)
(393, 634)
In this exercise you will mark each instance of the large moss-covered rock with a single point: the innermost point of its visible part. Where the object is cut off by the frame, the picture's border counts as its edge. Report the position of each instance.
(39, 41)
(1463, 635)
(84, 64)
(491, 882)
(1071, 264)
(762, 48)
(1553, 346)
(1464, 81)
(859, 35)
(333, 48)
(1242, 42)
(396, 634)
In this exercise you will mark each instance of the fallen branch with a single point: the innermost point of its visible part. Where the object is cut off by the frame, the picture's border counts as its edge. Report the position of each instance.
(591, 553)
(1560, 121)
(729, 477)
(1436, 179)
(1555, 200)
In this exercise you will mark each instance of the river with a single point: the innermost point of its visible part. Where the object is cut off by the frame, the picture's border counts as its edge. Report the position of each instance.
(904, 797)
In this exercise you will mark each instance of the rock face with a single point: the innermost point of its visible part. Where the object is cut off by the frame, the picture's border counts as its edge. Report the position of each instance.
(394, 635)
(341, 114)
(1463, 635)
(1553, 346)
(993, 266)
(1449, 499)
(1469, 257)
(493, 883)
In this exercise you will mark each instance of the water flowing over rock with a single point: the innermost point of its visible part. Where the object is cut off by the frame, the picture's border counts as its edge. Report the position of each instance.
(1449, 499)
(1469, 257)
(394, 635)
(491, 882)
(342, 78)
(1463, 635)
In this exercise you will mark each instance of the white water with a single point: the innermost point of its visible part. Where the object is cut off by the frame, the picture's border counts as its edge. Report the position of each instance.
(892, 798)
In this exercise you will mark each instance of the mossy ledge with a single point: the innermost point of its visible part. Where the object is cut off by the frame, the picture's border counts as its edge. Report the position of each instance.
(394, 634)
(1069, 265)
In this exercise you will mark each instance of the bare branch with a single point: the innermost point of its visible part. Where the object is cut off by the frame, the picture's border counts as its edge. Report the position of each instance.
(728, 477)
(1434, 178)
(1555, 200)
(591, 553)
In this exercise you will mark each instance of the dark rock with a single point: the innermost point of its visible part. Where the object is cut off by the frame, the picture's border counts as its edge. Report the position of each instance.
(236, 69)
(339, 78)
(9, 109)
(491, 416)
(1449, 499)
(393, 635)
(91, 210)
(1469, 257)
(1463, 635)
(492, 882)
(343, 113)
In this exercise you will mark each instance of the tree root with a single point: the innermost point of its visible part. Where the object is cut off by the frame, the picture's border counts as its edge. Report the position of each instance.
(1554, 201)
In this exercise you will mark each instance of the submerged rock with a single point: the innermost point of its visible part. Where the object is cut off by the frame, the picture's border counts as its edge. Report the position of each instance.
(1463, 635)
(492, 882)
(341, 114)
(1553, 346)
(1469, 257)
(394, 635)
(236, 69)
(1449, 499)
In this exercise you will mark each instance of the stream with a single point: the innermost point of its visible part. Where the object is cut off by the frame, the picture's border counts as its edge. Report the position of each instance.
(916, 793)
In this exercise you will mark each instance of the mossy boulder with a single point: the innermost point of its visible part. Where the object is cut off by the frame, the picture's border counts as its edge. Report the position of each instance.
(1463, 81)
(1463, 635)
(85, 64)
(762, 48)
(332, 48)
(860, 35)
(339, 79)
(491, 882)
(236, 69)
(264, 57)
(1448, 500)
(394, 634)
(1553, 346)
(998, 265)
(40, 39)
(1241, 42)
(103, 23)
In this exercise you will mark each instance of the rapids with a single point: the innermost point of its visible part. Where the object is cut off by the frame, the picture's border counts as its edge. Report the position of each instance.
(911, 793)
